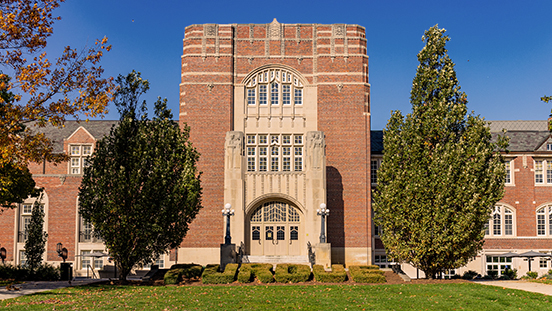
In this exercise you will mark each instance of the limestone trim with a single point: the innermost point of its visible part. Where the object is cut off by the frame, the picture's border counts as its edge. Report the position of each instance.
(257, 70)
(272, 197)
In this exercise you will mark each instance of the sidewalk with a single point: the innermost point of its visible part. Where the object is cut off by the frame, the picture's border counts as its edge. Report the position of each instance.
(522, 285)
(27, 288)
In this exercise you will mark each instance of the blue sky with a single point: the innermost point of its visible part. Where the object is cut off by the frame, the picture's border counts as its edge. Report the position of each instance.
(502, 49)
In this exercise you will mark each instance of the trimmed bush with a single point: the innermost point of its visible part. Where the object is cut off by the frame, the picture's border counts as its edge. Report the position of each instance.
(250, 271)
(532, 275)
(288, 273)
(367, 274)
(211, 274)
(16, 273)
(337, 275)
(47, 272)
(179, 272)
(245, 275)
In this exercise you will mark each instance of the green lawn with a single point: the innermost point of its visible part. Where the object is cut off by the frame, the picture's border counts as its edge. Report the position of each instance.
(451, 296)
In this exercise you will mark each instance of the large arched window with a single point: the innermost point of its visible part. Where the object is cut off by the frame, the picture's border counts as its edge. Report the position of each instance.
(275, 87)
(544, 220)
(501, 222)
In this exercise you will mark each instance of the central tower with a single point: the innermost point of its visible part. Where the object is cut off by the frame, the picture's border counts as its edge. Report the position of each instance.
(280, 115)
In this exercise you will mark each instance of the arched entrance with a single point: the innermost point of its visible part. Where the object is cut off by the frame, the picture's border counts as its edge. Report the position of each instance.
(275, 229)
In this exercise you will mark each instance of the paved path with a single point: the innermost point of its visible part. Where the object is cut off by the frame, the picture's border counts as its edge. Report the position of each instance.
(27, 288)
(522, 285)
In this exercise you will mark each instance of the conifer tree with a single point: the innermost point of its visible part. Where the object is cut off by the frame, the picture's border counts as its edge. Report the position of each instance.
(441, 173)
(142, 188)
(35, 245)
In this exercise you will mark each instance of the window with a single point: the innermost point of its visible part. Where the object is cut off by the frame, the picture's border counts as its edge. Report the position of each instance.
(160, 262)
(274, 152)
(374, 167)
(499, 264)
(543, 263)
(79, 156)
(508, 165)
(544, 221)
(25, 212)
(282, 87)
(543, 172)
(85, 261)
(548, 147)
(22, 258)
(501, 222)
(383, 261)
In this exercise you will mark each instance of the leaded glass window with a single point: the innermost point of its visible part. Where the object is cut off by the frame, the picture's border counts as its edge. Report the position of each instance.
(284, 87)
(275, 152)
(280, 233)
(502, 221)
(255, 233)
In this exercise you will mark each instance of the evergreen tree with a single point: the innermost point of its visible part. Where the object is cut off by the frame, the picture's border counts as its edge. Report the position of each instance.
(142, 188)
(441, 173)
(35, 245)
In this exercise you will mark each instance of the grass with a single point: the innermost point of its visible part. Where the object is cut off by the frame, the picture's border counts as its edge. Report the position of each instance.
(543, 281)
(451, 296)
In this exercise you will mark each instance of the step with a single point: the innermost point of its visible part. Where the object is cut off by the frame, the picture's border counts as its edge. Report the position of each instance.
(276, 259)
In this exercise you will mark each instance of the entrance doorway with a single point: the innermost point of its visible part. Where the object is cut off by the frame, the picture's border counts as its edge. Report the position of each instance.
(274, 229)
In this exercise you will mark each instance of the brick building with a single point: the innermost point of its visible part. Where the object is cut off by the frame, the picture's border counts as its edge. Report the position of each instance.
(281, 116)
(262, 101)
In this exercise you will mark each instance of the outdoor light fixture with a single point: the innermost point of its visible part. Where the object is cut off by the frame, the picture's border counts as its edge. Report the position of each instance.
(3, 254)
(323, 212)
(227, 211)
(62, 251)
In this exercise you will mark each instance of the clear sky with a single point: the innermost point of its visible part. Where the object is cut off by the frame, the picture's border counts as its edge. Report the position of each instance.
(502, 49)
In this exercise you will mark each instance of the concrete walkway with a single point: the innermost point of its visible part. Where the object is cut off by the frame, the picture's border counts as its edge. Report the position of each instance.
(27, 288)
(522, 285)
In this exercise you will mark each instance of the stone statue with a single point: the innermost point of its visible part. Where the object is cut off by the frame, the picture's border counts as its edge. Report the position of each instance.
(234, 149)
(316, 146)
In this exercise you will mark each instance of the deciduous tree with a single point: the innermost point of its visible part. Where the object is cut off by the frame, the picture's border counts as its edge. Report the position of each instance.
(142, 187)
(41, 91)
(441, 173)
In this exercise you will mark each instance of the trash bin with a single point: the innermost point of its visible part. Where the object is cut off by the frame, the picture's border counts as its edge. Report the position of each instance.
(66, 271)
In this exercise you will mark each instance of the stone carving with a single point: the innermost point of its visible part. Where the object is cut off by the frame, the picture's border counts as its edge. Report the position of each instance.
(316, 146)
(62, 179)
(274, 30)
(234, 149)
(210, 86)
(338, 30)
(210, 30)
(339, 87)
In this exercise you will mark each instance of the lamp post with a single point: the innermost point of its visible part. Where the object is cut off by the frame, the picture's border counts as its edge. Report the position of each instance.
(323, 212)
(3, 254)
(62, 251)
(227, 211)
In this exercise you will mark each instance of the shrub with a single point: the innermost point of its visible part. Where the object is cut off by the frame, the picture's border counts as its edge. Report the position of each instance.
(248, 272)
(245, 275)
(17, 273)
(504, 277)
(289, 273)
(532, 275)
(469, 275)
(211, 274)
(492, 274)
(179, 272)
(367, 274)
(47, 272)
(337, 275)
(173, 276)
(511, 273)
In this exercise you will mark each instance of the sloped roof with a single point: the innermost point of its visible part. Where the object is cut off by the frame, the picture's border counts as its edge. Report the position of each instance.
(525, 136)
(98, 129)
(518, 125)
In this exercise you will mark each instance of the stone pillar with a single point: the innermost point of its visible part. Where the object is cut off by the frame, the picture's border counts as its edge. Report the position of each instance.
(234, 162)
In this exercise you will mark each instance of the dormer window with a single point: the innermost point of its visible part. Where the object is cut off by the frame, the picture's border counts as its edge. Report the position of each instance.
(79, 158)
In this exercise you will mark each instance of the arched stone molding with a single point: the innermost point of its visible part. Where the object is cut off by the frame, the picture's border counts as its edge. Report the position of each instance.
(248, 78)
(273, 197)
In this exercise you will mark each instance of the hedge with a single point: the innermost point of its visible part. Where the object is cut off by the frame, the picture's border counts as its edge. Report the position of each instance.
(248, 272)
(44, 272)
(288, 273)
(367, 274)
(337, 275)
(179, 272)
(211, 275)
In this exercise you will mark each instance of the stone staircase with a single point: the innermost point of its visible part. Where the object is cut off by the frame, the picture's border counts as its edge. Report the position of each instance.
(276, 259)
